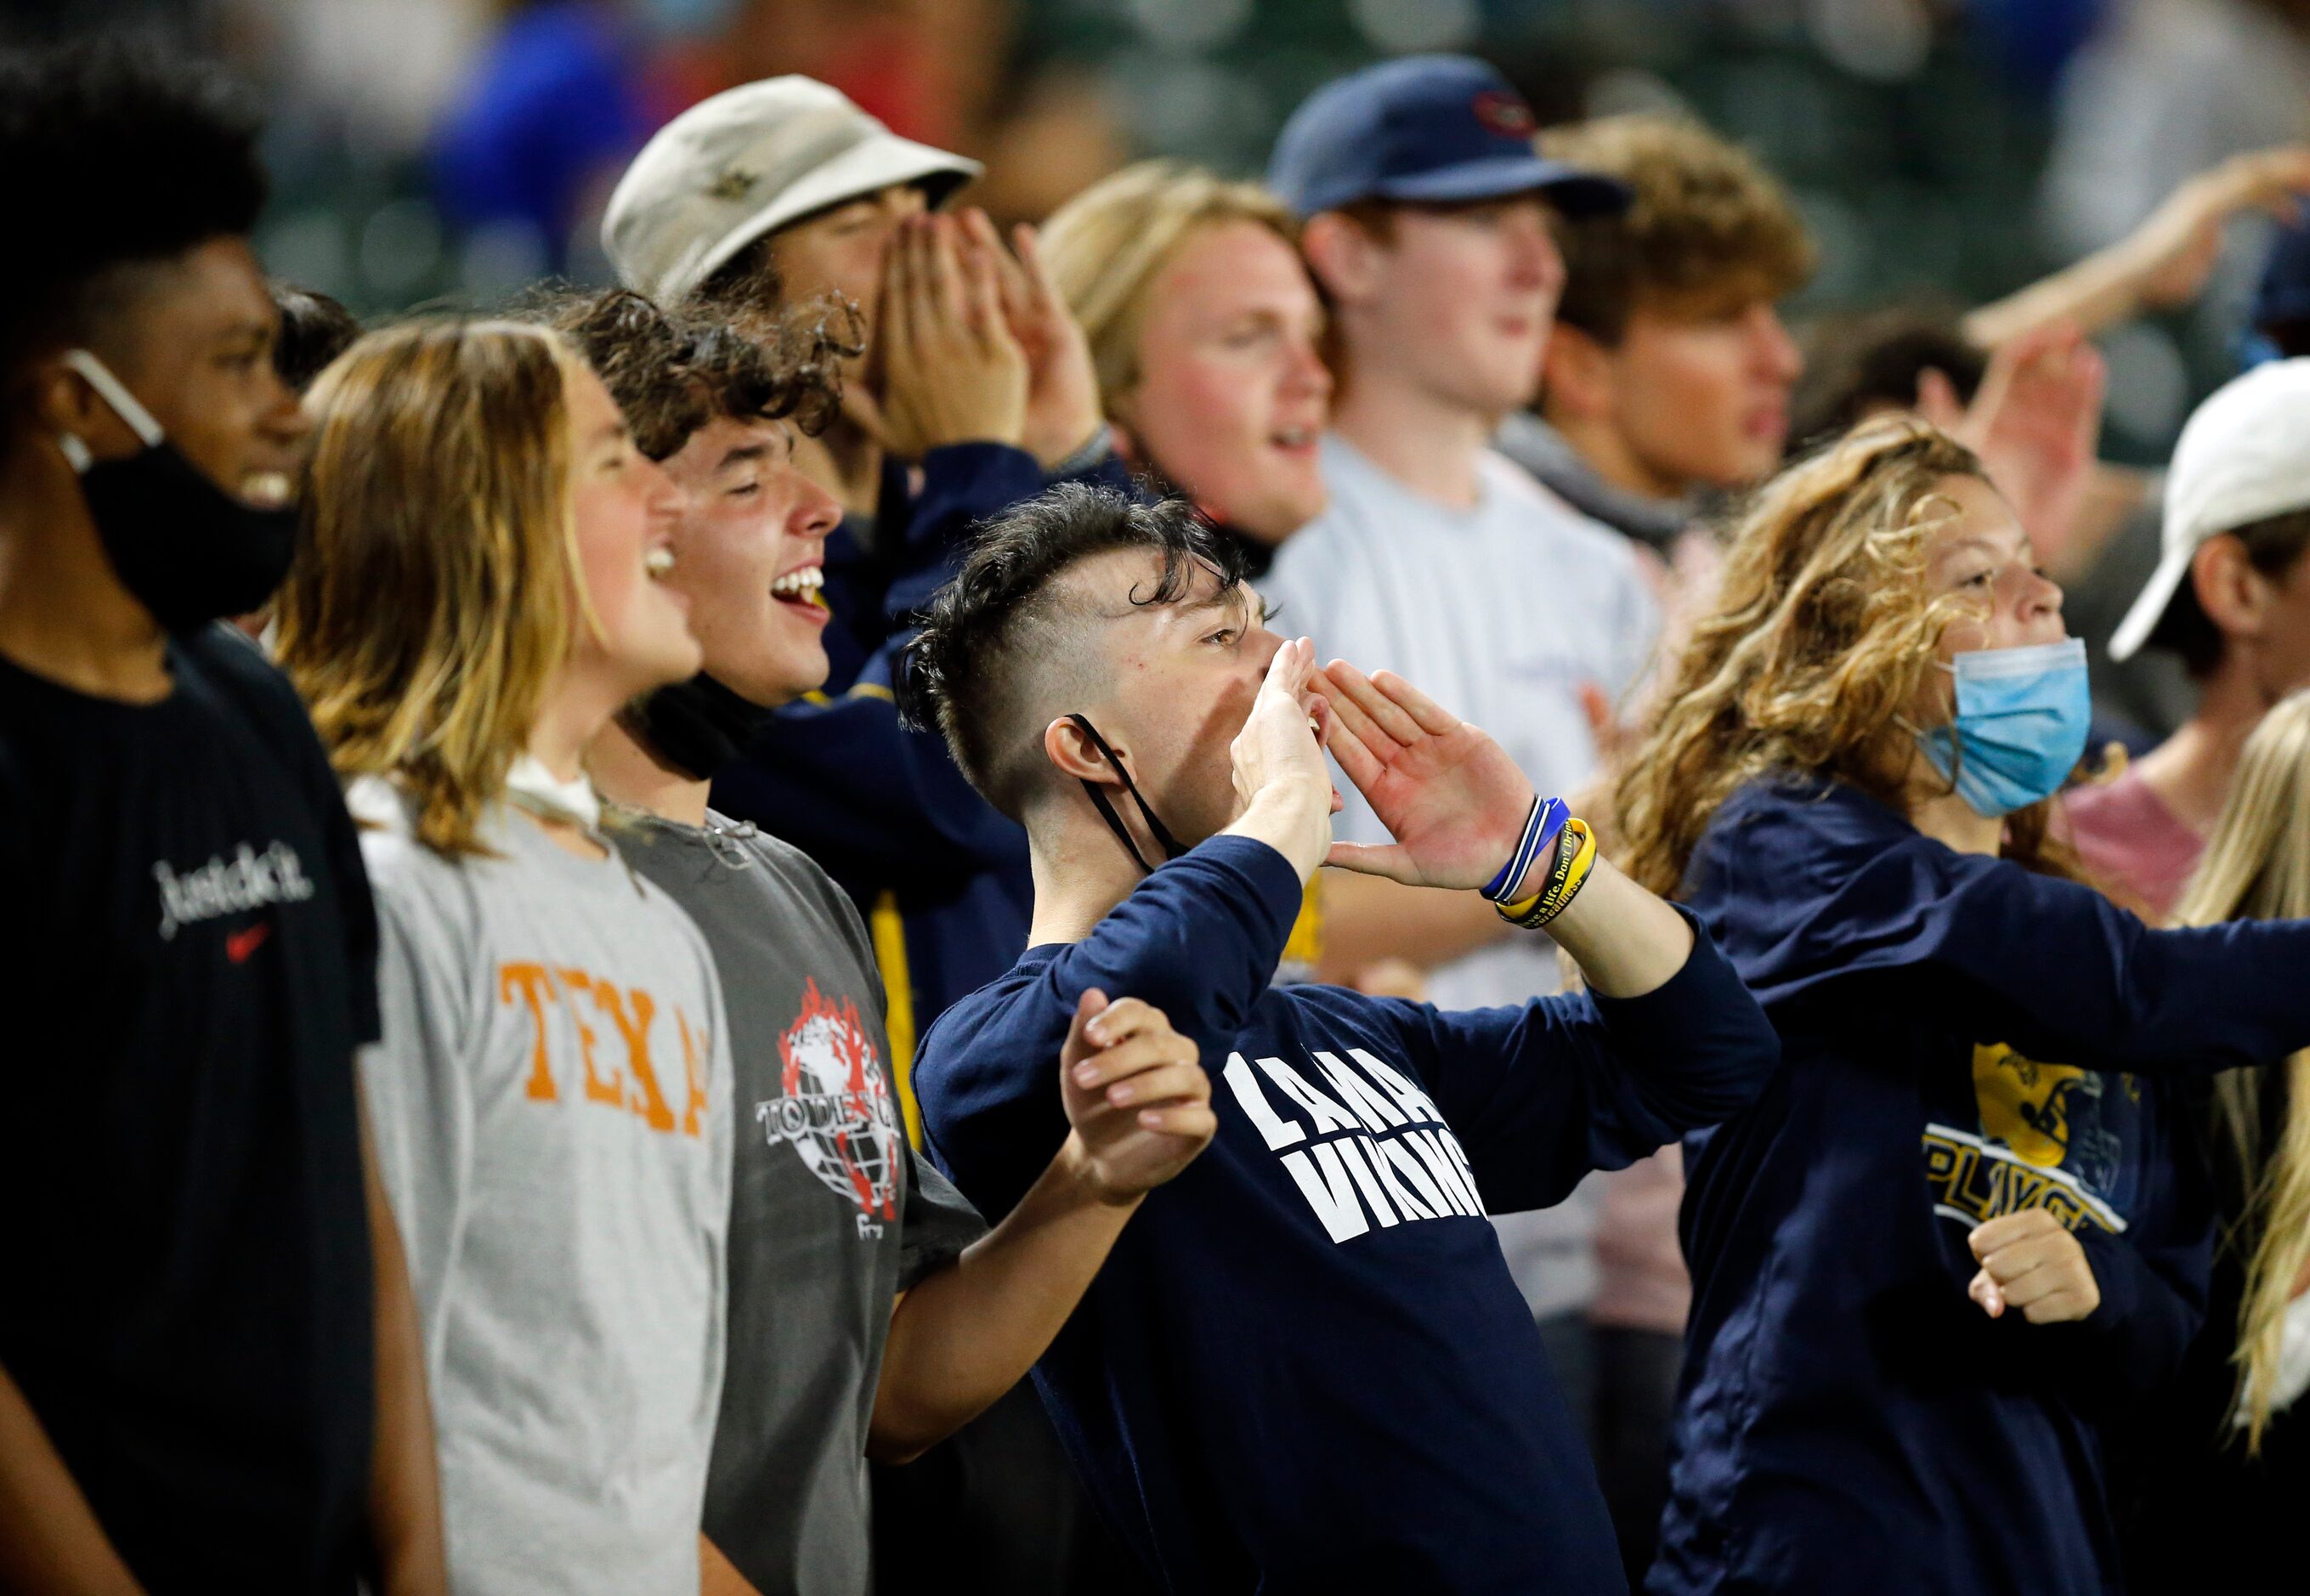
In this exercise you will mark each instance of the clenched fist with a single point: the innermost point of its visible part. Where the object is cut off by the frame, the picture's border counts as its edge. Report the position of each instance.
(2030, 1261)
(1136, 1095)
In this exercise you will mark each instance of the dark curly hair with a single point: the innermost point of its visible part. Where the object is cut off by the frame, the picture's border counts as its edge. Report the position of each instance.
(114, 153)
(673, 373)
(992, 638)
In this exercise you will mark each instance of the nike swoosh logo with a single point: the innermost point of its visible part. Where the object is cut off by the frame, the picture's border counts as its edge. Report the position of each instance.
(241, 943)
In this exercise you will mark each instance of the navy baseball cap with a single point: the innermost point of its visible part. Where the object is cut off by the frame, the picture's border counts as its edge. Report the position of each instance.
(2284, 295)
(1431, 129)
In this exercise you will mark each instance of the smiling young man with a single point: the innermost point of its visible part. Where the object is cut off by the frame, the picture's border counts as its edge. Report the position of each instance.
(209, 1367)
(1305, 1366)
(870, 1313)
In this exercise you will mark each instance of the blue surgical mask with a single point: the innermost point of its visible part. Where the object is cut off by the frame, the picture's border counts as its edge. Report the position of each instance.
(2020, 725)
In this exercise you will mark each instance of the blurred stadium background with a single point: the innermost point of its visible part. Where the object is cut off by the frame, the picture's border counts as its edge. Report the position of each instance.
(445, 151)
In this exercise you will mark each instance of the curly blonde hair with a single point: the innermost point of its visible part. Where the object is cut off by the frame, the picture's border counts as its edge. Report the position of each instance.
(1824, 631)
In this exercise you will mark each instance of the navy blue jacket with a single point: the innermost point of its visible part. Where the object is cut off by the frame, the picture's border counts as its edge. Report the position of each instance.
(1963, 1039)
(880, 807)
(1304, 1366)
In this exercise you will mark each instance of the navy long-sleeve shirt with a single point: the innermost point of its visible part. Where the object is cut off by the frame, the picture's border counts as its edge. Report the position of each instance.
(1963, 1039)
(1304, 1366)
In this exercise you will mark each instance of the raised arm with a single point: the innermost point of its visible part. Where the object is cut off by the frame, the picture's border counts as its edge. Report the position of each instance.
(1456, 805)
(1138, 1110)
(1666, 1039)
(2061, 972)
(2162, 263)
(989, 386)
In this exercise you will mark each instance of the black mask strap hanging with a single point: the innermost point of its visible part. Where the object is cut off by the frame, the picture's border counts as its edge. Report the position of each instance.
(1155, 828)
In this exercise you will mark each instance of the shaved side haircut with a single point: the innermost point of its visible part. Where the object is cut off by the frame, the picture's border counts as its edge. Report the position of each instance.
(1008, 645)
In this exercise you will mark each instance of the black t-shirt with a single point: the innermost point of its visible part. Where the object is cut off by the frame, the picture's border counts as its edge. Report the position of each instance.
(186, 1299)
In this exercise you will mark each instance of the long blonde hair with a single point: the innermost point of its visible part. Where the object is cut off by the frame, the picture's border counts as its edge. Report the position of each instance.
(435, 590)
(1824, 630)
(1106, 247)
(2257, 867)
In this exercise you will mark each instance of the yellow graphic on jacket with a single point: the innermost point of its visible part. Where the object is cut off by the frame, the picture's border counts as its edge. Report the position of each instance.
(2026, 1105)
(2045, 1138)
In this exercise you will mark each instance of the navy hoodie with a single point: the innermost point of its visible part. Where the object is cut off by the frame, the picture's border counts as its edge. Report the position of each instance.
(1304, 1366)
(1963, 1039)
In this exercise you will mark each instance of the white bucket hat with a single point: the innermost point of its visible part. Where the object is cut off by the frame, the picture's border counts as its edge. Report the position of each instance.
(2242, 457)
(745, 163)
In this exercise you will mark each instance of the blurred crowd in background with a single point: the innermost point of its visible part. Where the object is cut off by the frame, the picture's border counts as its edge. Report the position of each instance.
(2047, 227)
(1949, 150)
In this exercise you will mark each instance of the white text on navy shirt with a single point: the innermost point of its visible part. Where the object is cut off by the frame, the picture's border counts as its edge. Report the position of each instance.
(1372, 1148)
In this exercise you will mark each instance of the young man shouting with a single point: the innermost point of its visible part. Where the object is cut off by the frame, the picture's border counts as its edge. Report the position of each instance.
(869, 1312)
(1305, 1366)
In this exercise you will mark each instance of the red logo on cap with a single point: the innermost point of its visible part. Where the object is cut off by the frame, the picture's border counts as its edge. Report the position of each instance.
(1505, 115)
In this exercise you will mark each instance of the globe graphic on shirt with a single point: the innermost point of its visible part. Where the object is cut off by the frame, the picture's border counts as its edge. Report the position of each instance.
(837, 1112)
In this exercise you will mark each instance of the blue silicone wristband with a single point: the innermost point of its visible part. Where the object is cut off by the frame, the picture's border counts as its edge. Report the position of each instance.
(1540, 828)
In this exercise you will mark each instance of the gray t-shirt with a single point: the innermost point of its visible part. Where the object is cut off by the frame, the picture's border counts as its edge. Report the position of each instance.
(831, 1215)
(550, 1103)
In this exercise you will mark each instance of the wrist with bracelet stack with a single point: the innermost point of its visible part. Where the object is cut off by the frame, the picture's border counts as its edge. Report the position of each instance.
(1549, 825)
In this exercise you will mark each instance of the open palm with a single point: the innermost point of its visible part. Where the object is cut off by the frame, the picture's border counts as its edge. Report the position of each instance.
(1450, 795)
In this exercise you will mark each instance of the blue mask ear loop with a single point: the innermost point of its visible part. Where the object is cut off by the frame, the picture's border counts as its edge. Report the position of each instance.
(1156, 829)
(1918, 733)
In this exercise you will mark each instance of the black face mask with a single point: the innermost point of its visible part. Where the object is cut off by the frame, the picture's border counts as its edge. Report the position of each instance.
(697, 726)
(183, 547)
(1155, 828)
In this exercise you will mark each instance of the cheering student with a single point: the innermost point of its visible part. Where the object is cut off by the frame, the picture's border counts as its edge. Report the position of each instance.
(868, 1317)
(479, 589)
(966, 388)
(1952, 1237)
(1305, 1363)
(209, 1367)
